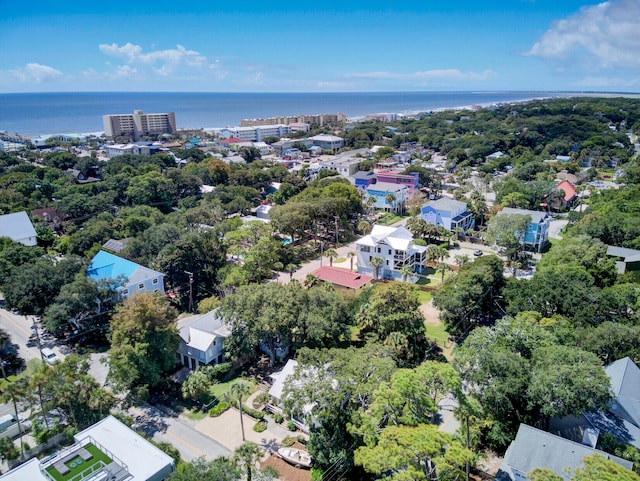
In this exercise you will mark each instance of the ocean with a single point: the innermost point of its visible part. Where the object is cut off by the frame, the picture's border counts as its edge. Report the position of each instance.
(81, 112)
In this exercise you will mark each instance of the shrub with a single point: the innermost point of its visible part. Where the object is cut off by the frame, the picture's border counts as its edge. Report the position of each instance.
(262, 398)
(316, 474)
(301, 439)
(260, 426)
(8, 450)
(221, 370)
(278, 418)
(288, 441)
(290, 425)
(218, 409)
(254, 413)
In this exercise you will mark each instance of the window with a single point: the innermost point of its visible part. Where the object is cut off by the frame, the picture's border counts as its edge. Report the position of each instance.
(389, 251)
(155, 281)
(365, 249)
(379, 250)
(141, 286)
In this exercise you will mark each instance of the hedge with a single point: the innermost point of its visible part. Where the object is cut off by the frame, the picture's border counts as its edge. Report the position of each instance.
(218, 409)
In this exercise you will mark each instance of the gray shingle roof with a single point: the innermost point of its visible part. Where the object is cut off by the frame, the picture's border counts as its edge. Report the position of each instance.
(534, 448)
(536, 215)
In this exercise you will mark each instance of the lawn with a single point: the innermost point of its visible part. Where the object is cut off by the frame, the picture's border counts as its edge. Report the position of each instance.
(389, 218)
(76, 469)
(440, 336)
(424, 296)
(220, 389)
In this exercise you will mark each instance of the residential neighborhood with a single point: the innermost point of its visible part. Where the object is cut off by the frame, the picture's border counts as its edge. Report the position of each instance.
(297, 298)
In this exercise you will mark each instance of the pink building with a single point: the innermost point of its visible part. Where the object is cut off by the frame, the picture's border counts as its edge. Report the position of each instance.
(410, 181)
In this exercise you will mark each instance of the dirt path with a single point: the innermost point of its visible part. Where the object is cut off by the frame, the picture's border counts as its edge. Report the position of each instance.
(430, 313)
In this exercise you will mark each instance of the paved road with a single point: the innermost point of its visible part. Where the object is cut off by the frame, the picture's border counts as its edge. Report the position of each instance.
(162, 427)
(19, 329)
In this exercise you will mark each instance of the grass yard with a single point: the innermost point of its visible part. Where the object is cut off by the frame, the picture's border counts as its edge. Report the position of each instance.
(424, 296)
(220, 389)
(389, 218)
(98, 461)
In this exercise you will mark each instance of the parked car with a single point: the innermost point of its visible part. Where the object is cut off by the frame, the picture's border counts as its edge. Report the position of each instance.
(477, 253)
(50, 357)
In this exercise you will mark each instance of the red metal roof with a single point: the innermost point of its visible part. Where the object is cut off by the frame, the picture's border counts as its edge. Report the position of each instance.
(342, 277)
(568, 188)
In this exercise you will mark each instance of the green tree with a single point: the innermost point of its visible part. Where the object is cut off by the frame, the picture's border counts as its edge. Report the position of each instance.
(442, 268)
(196, 385)
(237, 392)
(420, 453)
(406, 270)
(395, 308)
(331, 254)
(508, 231)
(249, 154)
(13, 389)
(219, 469)
(246, 456)
(376, 262)
(144, 340)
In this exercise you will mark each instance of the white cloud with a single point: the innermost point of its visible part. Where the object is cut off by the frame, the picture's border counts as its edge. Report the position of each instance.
(606, 35)
(442, 74)
(162, 62)
(34, 73)
(121, 71)
(128, 50)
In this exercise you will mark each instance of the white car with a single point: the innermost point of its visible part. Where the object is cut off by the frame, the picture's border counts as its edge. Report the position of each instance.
(50, 357)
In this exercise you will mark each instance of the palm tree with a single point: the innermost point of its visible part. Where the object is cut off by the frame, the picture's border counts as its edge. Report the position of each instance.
(13, 389)
(442, 268)
(246, 456)
(291, 268)
(376, 262)
(350, 256)
(310, 281)
(391, 200)
(370, 203)
(363, 226)
(331, 254)
(406, 270)
(236, 393)
(461, 259)
(38, 380)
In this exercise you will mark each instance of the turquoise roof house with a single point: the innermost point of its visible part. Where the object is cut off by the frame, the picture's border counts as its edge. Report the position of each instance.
(137, 278)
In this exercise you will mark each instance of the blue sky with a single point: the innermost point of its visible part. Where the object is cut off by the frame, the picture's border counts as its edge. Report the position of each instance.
(274, 46)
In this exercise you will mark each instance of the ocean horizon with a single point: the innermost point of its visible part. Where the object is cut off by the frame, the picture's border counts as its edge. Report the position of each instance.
(33, 114)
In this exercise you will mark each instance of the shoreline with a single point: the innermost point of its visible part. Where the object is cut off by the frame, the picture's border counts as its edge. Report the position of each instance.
(376, 97)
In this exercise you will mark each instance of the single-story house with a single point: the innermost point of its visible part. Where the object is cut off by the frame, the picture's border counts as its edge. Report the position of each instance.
(137, 278)
(18, 228)
(533, 448)
(202, 339)
(279, 381)
(343, 278)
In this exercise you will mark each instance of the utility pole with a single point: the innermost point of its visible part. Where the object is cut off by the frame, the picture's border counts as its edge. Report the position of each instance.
(34, 330)
(190, 274)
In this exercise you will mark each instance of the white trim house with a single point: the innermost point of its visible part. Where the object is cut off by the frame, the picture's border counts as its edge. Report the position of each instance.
(394, 245)
(202, 340)
(137, 278)
(448, 213)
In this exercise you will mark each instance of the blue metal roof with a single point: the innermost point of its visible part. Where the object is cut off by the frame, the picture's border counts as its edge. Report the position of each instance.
(108, 266)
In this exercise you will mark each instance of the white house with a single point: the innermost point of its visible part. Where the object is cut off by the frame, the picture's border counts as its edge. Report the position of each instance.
(18, 227)
(105, 266)
(202, 339)
(108, 450)
(394, 245)
(448, 213)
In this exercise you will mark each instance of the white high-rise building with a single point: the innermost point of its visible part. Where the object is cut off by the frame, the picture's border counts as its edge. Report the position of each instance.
(139, 123)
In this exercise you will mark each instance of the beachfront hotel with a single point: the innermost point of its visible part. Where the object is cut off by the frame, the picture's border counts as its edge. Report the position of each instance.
(139, 123)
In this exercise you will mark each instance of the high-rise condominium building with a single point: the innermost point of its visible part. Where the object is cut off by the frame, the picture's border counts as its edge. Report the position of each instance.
(139, 123)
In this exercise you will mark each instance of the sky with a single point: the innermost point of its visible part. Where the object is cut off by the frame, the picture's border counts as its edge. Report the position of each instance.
(321, 46)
